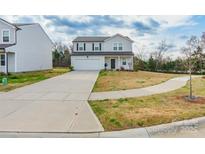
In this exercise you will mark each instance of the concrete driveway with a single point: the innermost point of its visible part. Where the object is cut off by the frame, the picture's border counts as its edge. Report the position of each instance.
(58, 104)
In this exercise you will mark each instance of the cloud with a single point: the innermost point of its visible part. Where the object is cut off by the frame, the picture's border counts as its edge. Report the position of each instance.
(146, 31)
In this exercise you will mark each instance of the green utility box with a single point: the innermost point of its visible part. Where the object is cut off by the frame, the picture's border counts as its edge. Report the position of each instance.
(4, 81)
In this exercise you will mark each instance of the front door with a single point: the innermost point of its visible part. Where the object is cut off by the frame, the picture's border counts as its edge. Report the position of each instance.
(112, 63)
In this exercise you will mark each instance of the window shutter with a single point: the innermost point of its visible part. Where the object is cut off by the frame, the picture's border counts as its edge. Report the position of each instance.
(77, 46)
(84, 46)
(93, 46)
(100, 46)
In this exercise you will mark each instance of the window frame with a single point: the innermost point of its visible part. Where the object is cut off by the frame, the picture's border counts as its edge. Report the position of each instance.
(124, 61)
(2, 60)
(80, 46)
(115, 46)
(2, 35)
(120, 46)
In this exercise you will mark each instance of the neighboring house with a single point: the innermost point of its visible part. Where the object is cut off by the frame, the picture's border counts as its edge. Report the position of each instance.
(94, 53)
(24, 47)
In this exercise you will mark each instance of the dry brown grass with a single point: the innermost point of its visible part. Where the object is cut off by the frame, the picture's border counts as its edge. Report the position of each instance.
(122, 80)
(150, 110)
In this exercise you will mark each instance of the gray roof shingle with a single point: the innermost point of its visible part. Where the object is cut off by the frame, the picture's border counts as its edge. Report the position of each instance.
(3, 46)
(100, 53)
(90, 39)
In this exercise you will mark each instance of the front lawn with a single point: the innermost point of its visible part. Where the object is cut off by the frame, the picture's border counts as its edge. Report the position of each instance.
(16, 80)
(122, 80)
(151, 110)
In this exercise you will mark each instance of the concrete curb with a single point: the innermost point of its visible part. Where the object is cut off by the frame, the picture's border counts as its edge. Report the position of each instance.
(146, 132)
(152, 131)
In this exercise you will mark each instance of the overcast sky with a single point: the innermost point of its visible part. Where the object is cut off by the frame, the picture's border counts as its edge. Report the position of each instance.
(146, 31)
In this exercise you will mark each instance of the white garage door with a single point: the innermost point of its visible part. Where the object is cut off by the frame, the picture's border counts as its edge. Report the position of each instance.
(87, 64)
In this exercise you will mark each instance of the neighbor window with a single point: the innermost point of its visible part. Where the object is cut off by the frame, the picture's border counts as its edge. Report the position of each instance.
(5, 35)
(2, 59)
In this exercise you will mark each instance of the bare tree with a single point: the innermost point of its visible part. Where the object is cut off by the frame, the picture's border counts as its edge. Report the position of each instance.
(191, 55)
(159, 53)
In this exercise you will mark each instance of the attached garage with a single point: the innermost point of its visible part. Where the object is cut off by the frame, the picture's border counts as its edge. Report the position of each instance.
(87, 62)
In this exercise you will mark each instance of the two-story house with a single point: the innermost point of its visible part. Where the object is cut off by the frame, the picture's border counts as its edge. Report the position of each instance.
(96, 53)
(24, 47)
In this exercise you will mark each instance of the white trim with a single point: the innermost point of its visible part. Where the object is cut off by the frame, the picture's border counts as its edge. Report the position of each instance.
(2, 35)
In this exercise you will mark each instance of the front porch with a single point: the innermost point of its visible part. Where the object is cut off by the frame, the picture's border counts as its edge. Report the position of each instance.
(119, 62)
(7, 61)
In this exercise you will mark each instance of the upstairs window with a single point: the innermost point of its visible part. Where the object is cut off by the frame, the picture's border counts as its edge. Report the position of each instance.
(2, 60)
(81, 46)
(115, 47)
(96, 46)
(120, 46)
(5, 36)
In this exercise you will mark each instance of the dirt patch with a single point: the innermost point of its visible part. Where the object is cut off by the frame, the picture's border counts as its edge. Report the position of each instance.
(198, 100)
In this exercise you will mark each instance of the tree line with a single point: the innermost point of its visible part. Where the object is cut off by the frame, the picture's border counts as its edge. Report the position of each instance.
(192, 58)
(61, 55)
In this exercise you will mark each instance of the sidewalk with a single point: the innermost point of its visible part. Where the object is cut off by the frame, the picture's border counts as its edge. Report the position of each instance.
(167, 86)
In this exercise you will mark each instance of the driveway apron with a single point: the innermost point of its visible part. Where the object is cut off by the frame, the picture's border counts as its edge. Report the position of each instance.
(58, 104)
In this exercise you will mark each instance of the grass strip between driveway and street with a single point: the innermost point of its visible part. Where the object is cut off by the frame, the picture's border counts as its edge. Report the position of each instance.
(123, 80)
(151, 110)
(16, 80)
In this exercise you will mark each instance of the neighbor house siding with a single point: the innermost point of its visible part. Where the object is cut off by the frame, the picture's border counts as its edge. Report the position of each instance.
(33, 48)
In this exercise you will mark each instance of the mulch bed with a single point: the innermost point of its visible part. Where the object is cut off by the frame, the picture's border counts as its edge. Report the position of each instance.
(196, 100)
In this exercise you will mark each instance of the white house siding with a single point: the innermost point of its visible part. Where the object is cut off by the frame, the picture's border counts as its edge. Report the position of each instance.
(11, 62)
(106, 46)
(12, 29)
(87, 62)
(126, 45)
(33, 50)
(89, 46)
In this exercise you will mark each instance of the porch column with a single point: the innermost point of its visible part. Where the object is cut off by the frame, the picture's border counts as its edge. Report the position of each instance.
(6, 62)
(118, 64)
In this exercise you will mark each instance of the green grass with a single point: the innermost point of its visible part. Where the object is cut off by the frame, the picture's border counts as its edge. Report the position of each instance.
(16, 80)
(122, 80)
(151, 110)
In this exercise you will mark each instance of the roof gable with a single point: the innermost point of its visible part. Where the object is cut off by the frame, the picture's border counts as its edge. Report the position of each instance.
(99, 38)
(125, 37)
(8, 23)
(90, 39)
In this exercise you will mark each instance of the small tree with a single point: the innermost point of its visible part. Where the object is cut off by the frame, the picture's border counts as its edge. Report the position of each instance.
(191, 55)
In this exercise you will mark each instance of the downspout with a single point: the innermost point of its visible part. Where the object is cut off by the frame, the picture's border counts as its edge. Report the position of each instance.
(7, 64)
